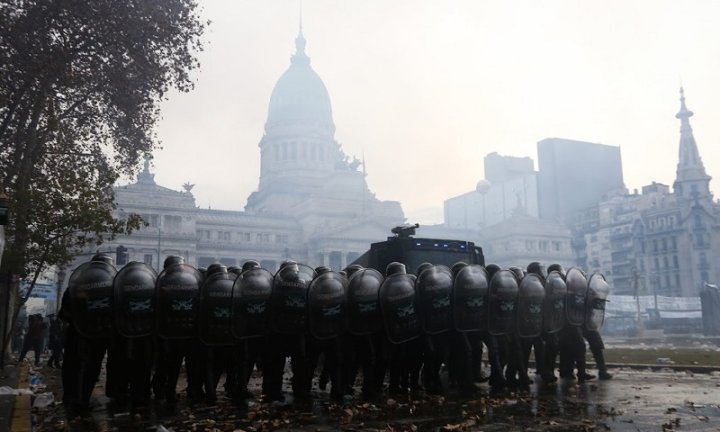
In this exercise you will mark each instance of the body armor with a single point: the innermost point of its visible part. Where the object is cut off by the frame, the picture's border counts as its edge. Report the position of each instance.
(134, 287)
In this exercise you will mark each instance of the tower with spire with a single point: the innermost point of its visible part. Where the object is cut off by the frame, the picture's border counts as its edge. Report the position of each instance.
(691, 180)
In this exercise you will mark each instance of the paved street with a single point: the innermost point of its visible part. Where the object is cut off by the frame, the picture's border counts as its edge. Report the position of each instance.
(633, 400)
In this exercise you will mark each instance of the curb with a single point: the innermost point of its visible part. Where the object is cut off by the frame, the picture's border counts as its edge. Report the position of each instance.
(22, 415)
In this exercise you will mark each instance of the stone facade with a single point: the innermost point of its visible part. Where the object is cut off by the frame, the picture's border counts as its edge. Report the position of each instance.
(656, 242)
(312, 205)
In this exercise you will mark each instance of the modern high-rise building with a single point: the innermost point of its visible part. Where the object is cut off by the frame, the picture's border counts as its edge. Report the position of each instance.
(573, 175)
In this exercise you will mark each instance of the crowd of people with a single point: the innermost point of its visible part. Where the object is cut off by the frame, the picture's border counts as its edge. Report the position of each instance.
(392, 333)
(39, 335)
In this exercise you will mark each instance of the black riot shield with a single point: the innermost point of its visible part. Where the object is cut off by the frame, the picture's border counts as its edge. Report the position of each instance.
(288, 302)
(327, 306)
(91, 292)
(398, 307)
(134, 287)
(469, 299)
(363, 307)
(433, 288)
(576, 294)
(251, 296)
(502, 303)
(214, 313)
(178, 290)
(554, 309)
(597, 293)
(531, 296)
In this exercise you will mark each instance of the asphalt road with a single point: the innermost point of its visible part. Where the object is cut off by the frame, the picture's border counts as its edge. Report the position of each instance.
(633, 400)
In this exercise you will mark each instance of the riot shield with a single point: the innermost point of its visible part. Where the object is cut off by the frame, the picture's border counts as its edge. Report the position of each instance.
(288, 302)
(363, 308)
(577, 292)
(433, 288)
(554, 309)
(91, 292)
(469, 299)
(251, 296)
(327, 306)
(531, 295)
(178, 289)
(597, 293)
(502, 303)
(398, 307)
(134, 287)
(214, 317)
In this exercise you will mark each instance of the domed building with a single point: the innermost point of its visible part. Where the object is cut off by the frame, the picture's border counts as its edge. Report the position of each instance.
(312, 204)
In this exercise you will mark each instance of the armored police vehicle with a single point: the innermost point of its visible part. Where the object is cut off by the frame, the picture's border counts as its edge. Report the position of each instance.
(413, 251)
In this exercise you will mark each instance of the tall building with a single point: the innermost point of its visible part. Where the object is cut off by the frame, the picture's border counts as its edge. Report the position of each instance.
(574, 175)
(657, 242)
(312, 205)
(507, 180)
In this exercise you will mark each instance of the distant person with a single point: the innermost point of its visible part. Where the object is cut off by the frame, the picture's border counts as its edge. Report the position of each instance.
(35, 337)
(55, 341)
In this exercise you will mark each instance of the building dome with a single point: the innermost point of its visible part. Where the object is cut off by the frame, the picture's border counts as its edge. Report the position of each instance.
(299, 96)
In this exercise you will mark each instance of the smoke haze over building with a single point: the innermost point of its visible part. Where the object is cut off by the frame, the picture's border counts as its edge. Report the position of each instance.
(435, 86)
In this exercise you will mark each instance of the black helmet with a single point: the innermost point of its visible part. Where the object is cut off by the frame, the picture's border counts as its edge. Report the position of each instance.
(537, 268)
(457, 267)
(518, 272)
(422, 267)
(250, 264)
(171, 260)
(215, 268)
(102, 257)
(322, 269)
(352, 268)
(395, 268)
(287, 263)
(492, 269)
(234, 270)
(556, 267)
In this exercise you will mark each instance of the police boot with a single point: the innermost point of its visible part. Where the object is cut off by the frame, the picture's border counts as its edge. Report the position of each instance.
(582, 373)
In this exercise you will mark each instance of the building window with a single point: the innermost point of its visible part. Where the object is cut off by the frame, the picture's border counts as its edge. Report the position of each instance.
(665, 262)
(529, 245)
(556, 246)
(677, 280)
(148, 259)
(655, 245)
(664, 245)
(657, 263)
(673, 243)
(676, 264)
(543, 246)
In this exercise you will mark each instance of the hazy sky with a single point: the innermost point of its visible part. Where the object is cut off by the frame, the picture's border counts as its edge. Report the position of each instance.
(425, 89)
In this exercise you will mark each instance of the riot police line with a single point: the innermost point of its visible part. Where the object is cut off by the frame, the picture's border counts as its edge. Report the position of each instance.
(408, 327)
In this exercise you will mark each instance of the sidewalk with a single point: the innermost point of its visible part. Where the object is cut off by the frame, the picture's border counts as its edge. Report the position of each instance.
(9, 376)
